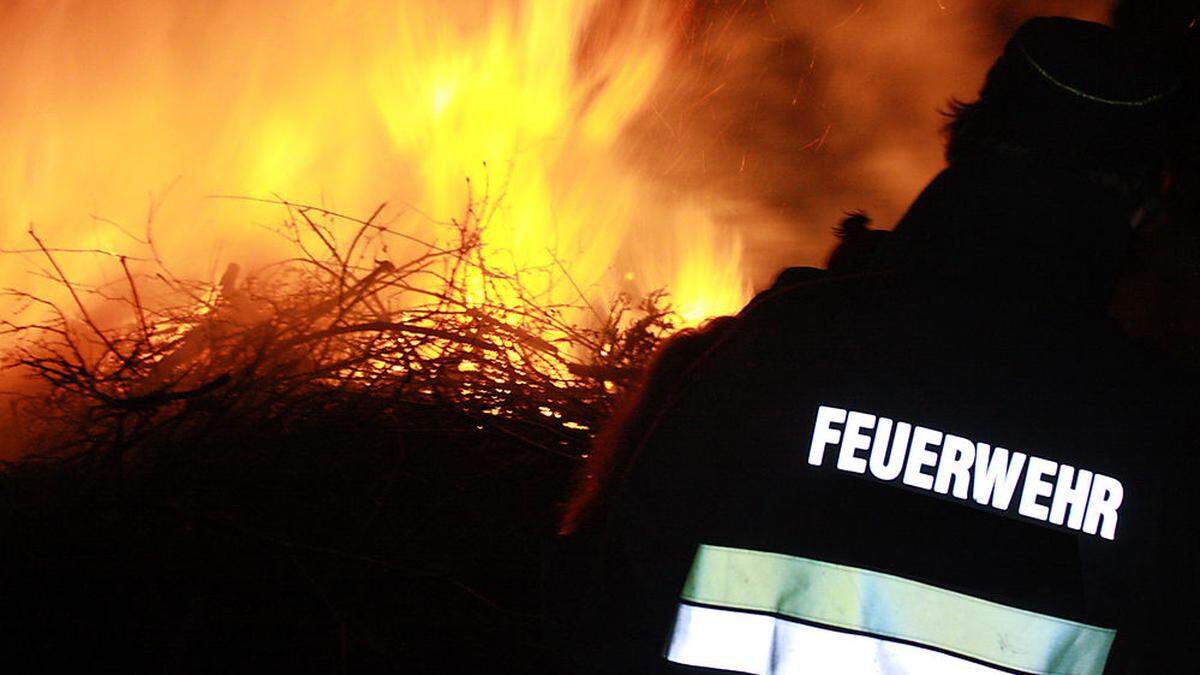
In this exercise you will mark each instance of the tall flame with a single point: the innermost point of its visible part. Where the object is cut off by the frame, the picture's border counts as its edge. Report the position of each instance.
(113, 115)
(621, 137)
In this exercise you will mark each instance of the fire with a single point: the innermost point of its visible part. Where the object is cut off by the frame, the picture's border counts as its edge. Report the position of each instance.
(616, 145)
(119, 122)
(533, 120)
(620, 139)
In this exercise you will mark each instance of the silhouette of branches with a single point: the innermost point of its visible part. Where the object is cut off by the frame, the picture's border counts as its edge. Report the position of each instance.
(342, 320)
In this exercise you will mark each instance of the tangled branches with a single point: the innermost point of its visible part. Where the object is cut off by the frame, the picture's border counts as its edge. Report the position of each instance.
(341, 327)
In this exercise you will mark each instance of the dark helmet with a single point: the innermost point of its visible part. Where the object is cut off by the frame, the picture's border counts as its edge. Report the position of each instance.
(1076, 93)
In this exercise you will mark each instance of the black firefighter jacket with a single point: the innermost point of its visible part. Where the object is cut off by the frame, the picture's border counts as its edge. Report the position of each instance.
(957, 465)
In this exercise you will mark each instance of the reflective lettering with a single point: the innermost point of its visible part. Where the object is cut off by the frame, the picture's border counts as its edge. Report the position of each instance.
(884, 467)
(1067, 495)
(853, 440)
(996, 480)
(958, 454)
(920, 456)
(1036, 486)
(824, 434)
(1107, 494)
(957, 468)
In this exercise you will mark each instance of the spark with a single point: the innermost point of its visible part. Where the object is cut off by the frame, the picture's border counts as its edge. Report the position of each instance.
(664, 121)
(710, 94)
(819, 142)
(857, 10)
(733, 15)
(799, 88)
(770, 13)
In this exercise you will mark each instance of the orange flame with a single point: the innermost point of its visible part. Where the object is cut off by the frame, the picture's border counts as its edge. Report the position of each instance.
(779, 114)
(111, 112)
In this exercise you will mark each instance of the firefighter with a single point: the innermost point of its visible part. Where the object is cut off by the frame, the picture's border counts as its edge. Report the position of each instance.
(950, 462)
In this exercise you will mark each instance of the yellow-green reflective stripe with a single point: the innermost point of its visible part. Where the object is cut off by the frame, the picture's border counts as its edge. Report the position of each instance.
(889, 606)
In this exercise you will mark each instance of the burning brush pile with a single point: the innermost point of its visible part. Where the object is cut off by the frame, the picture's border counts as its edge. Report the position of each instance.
(359, 456)
(335, 325)
(350, 458)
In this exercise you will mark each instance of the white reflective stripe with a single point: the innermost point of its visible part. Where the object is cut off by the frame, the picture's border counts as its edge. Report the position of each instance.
(766, 645)
(892, 607)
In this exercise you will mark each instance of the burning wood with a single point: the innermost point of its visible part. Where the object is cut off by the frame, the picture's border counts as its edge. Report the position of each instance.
(443, 327)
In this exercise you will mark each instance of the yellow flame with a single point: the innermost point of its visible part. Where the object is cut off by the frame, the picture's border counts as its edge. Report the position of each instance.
(507, 104)
(707, 279)
(103, 106)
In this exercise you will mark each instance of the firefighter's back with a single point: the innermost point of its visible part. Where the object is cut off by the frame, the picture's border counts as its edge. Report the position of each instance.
(923, 475)
(952, 462)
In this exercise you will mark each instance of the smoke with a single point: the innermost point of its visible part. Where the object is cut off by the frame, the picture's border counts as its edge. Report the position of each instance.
(772, 117)
(790, 112)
